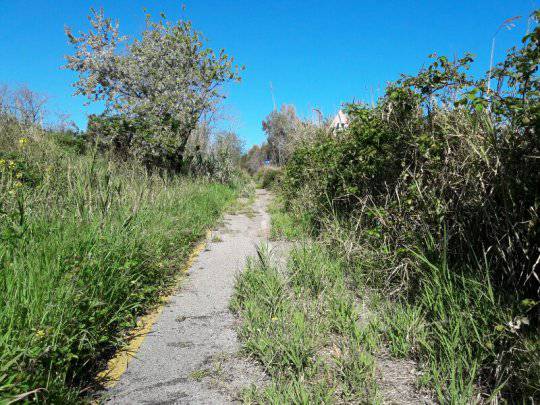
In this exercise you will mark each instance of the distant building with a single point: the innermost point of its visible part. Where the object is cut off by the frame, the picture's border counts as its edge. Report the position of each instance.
(340, 121)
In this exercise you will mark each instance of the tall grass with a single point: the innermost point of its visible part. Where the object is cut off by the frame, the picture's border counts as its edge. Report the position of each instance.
(302, 325)
(461, 331)
(472, 342)
(87, 245)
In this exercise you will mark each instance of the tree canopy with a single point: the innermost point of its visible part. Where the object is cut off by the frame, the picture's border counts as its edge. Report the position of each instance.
(165, 81)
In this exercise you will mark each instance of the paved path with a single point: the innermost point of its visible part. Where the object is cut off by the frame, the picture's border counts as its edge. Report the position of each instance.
(190, 357)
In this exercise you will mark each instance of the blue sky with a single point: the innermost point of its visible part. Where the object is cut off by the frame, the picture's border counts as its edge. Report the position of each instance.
(316, 54)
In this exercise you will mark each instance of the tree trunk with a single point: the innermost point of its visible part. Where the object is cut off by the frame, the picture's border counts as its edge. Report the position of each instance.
(183, 134)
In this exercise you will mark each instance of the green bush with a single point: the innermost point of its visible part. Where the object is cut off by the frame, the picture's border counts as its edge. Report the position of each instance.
(443, 159)
(451, 169)
(268, 176)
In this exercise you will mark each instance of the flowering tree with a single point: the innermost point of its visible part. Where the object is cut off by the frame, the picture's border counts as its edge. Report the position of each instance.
(165, 81)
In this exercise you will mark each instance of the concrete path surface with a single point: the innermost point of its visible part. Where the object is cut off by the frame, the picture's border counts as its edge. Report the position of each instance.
(190, 356)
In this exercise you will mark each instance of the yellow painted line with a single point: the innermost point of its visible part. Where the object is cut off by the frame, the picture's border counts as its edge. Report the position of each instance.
(119, 363)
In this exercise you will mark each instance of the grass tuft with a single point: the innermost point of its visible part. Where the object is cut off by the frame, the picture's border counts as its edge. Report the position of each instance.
(291, 321)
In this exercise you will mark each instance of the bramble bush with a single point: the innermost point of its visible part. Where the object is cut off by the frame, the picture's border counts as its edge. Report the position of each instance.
(444, 173)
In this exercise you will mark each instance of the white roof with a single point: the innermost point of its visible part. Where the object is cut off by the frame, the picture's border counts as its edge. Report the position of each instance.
(341, 120)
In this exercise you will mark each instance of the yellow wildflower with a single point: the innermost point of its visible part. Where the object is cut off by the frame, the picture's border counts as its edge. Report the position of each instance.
(23, 141)
(19, 175)
(2, 162)
(40, 333)
(18, 184)
(11, 164)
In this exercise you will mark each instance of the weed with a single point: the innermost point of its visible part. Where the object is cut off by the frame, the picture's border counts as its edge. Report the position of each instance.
(87, 245)
(290, 319)
(430, 198)
(199, 375)
(286, 225)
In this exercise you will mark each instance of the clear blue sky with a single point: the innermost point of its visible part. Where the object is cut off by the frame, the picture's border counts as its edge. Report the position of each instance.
(316, 53)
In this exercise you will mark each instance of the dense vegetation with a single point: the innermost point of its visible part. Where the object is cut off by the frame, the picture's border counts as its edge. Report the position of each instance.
(301, 323)
(431, 198)
(87, 244)
(95, 225)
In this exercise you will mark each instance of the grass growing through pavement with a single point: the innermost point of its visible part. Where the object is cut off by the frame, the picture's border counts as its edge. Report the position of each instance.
(86, 246)
(453, 324)
(458, 327)
(302, 325)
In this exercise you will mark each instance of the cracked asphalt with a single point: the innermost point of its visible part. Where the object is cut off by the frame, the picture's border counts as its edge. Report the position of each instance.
(191, 354)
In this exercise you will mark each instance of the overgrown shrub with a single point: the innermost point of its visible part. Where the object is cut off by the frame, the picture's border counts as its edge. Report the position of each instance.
(461, 169)
(267, 176)
(444, 159)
